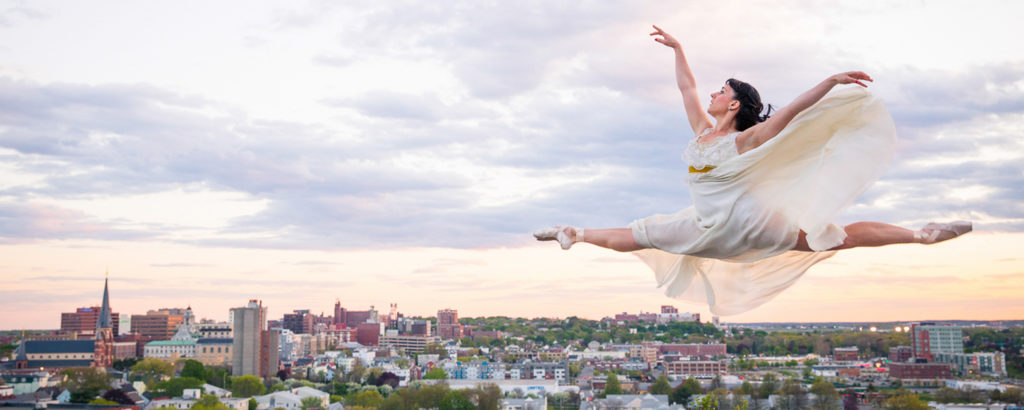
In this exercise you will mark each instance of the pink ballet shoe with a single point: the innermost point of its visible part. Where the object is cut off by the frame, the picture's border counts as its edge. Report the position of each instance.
(935, 232)
(565, 235)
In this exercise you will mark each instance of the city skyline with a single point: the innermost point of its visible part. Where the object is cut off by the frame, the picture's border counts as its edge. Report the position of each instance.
(380, 153)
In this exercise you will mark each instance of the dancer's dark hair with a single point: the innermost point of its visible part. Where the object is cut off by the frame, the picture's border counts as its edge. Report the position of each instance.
(750, 104)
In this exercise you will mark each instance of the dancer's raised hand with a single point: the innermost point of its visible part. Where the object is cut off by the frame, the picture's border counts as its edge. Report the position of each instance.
(665, 38)
(852, 77)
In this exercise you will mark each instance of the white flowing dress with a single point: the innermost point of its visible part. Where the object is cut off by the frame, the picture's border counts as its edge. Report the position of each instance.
(733, 248)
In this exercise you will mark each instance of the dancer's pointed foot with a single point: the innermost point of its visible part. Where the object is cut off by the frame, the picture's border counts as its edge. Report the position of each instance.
(565, 235)
(936, 232)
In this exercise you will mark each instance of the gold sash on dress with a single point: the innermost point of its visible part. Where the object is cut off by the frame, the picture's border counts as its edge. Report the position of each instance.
(700, 171)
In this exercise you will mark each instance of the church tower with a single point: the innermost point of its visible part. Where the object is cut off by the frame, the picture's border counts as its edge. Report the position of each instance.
(103, 355)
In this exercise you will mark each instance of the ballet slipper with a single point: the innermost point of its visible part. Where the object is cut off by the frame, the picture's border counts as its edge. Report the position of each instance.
(936, 232)
(565, 235)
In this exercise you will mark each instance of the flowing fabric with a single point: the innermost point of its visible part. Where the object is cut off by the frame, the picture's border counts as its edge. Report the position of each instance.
(732, 248)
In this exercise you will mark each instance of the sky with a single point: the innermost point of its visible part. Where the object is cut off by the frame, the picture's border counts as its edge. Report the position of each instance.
(302, 153)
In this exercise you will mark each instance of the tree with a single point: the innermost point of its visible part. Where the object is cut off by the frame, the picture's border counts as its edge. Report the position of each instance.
(905, 401)
(661, 386)
(85, 383)
(209, 402)
(247, 386)
(311, 402)
(456, 400)
(436, 348)
(487, 396)
(124, 364)
(388, 378)
(612, 386)
(825, 395)
(103, 402)
(193, 369)
(253, 404)
(436, 373)
(681, 394)
(152, 370)
(176, 386)
(769, 383)
(369, 398)
(793, 395)
(118, 396)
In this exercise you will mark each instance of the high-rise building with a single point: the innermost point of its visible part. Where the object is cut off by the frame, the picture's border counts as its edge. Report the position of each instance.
(448, 326)
(83, 321)
(249, 324)
(158, 324)
(928, 338)
(270, 352)
(669, 309)
(299, 322)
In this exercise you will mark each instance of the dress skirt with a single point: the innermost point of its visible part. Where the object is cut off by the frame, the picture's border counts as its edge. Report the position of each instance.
(732, 248)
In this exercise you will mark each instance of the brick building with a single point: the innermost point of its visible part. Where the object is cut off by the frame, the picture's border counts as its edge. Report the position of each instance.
(920, 371)
(83, 321)
(448, 326)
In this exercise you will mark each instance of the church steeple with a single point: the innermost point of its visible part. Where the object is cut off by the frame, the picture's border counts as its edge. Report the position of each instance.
(105, 321)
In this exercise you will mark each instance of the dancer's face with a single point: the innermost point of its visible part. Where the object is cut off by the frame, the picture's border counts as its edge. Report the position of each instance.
(721, 100)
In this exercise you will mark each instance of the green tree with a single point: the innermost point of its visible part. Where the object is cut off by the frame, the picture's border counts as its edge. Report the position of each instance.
(103, 401)
(193, 369)
(436, 373)
(124, 364)
(456, 400)
(436, 348)
(247, 386)
(661, 386)
(369, 398)
(311, 402)
(209, 402)
(174, 387)
(769, 383)
(825, 395)
(152, 370)
(85, 383)
(253, 404)
(612, 386)
(905, 401)
(681, 394)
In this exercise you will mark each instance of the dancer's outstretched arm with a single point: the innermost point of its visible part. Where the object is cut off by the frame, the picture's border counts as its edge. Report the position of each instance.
(699, 120)
(754, 136)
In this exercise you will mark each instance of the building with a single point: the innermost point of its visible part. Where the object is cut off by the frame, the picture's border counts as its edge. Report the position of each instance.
(410, 344)
(967, 364)
(214, 351)
(929, 338)
(83, 321)
(352, 318)
(368, 334)
(697, 368)
(103, 354)
(846, 354)
(248, 325)
(920, 370)
(692, 349)
(158, 324)
(98, 351)
(298, 322)
(270, 350)
(448, 327)
(900, 354)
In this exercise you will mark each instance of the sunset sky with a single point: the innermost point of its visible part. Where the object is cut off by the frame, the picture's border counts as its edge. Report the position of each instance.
(208, 153)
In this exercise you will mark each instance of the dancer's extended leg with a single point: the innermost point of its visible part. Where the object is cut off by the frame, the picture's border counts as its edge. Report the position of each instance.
(619, 239)
(865, 234)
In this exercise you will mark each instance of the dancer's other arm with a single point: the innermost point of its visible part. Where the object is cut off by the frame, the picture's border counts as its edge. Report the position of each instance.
(754, 136)
(699, 120)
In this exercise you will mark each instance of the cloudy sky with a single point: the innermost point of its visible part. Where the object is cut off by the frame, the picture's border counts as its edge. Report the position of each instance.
(402, 152)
